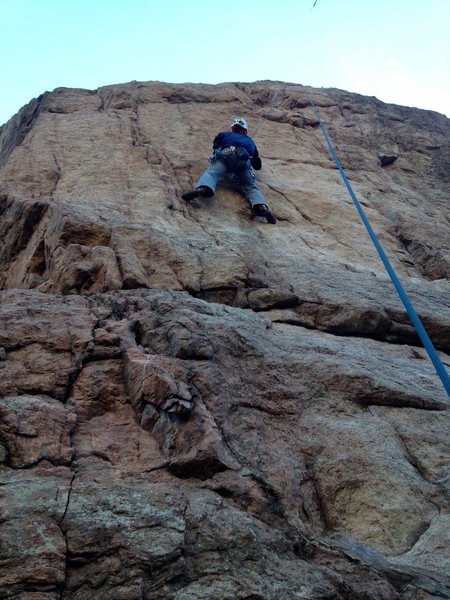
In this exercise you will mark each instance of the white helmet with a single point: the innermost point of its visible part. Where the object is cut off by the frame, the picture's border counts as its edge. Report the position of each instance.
(241, 122)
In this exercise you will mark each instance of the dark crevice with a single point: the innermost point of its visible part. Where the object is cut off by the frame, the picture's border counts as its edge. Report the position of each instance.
(33, 217)
(36, 392)
(387, 335)
(67, 500)
(197, 468)
(384, 326)
(72, 377)
(37, 265)
(57, 175)
(16, 130)
(79, 363)
(386, 160)
(221, 295)
(66, 509)
(432, 263)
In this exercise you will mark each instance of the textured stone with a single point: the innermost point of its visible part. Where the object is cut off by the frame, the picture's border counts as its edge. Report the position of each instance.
(32, 544)
(195, 404)
(34, 429)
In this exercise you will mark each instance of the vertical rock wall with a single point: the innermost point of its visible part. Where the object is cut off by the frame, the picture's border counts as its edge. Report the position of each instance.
(195, 404)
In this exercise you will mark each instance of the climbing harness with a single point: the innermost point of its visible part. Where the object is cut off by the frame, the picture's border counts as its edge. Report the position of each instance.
(428, 345)
(235, 157)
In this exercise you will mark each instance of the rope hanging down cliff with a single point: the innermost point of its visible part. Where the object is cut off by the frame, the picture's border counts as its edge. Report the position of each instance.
(427, 343)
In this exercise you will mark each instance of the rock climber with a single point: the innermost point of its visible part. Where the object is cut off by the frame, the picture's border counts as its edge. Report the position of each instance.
(234, 153)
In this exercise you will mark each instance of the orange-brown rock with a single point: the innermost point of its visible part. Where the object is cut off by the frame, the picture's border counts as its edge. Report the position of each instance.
(198, 405)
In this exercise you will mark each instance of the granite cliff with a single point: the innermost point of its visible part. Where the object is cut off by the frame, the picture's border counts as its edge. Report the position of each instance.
(198, 405)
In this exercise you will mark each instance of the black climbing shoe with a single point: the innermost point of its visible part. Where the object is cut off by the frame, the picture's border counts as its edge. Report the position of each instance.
(261, 210)
(201, 192)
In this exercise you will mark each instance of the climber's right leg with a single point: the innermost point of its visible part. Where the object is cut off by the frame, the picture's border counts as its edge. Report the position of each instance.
(206, 185)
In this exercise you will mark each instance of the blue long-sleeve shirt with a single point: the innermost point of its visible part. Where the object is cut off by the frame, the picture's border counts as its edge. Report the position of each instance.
(230, 138)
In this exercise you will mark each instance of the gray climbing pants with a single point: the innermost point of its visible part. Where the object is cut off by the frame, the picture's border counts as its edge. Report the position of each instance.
(245, 178)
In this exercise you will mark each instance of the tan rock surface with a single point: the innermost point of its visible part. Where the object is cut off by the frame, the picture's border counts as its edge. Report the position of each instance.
(198, 405)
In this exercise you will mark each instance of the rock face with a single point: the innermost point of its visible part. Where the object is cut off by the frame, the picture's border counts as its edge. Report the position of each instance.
(196, 405)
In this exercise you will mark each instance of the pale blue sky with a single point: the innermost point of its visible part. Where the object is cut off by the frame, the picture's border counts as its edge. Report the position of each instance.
(396, 50)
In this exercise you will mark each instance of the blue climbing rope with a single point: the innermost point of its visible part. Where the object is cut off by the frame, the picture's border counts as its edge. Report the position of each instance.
(428, 345)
